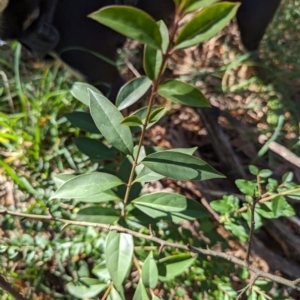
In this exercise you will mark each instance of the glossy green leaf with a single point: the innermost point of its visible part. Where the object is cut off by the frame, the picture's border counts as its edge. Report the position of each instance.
(94, 149)
(60, 179)
(83, 121)
(164, 31)
(180, 166)
(207, 23)
(141, 113)
(140, 292)
(98, 214)
(146, 175)
(169, 206)
(132, 91)
(131, 22)
(172, 266)
(157, 114)
(86, 288)
(193, 5)
(108, 120)
(153, 59)
(79, 90)
(181, 92)
(87, 185)
(150, 272)
(132, 121)
(118, 253)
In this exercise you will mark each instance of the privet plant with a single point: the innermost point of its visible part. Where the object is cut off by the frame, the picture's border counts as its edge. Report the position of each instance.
(141, 241)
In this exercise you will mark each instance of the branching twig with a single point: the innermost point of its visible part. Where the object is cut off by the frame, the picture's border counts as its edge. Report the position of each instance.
(252, 226)
(228, 257)
(247, 287)
(269, 198)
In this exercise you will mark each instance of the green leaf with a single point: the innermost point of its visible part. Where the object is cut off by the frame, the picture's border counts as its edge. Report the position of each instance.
(237, 230)
(83, 270)
(153, 60)
(253, 295)
(283, 209)
(146, 175)
(265, 173)
(247, 215)
(140, 292)
(182, 92)
(253, 170)
(278, 206)
(101, 271)
(132, 91)
(157, 114)
(188, 151)
(162, 202)
(101, 197)
(114, 295)
(272, 185)
(79, 90)
(246, 187)
(86, 288)
(83, 121)
(207, 23)
(180, 166)
(94, 149)
(150, 272)
(227, 205)
(138, 219)
(142, 113)
(172, 266)
(108, 120)
(118, 253)
(193, 5)
(288, 177)
(164, 31)
(132, 121)
(98, 214)
(131, 22)
(86, 185)
(169, 206)
(60, 179)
